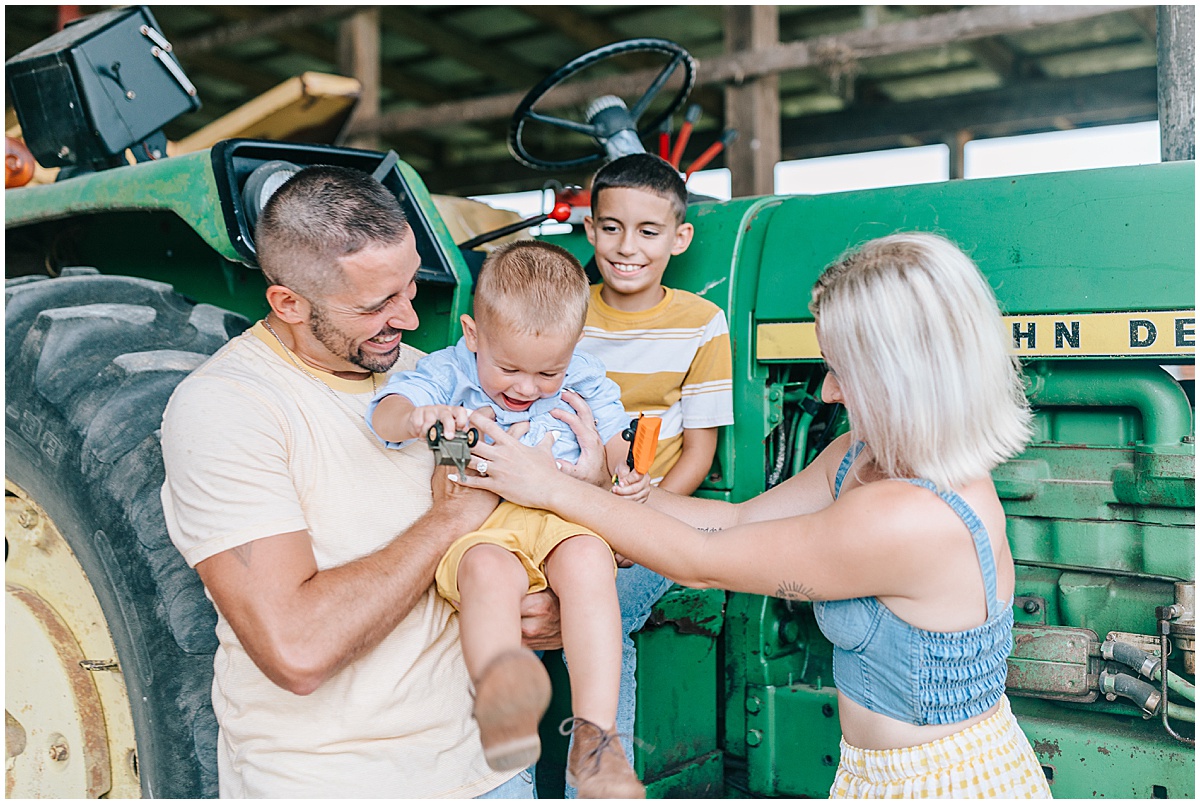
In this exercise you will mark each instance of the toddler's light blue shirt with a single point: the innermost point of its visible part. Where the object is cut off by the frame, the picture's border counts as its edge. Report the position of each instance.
(450, 377)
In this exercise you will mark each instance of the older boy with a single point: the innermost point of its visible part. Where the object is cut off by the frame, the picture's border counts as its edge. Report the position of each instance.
(668, 349)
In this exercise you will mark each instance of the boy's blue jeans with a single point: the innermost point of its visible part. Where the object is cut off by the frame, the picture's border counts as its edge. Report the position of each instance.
(638, 589)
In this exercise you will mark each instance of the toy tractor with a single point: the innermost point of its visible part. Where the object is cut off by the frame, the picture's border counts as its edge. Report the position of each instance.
(122, 278)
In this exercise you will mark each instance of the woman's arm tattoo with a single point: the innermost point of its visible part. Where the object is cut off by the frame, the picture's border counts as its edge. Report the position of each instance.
(792, 590)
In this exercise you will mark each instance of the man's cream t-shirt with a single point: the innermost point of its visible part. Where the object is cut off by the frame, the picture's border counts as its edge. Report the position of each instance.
(253, 448)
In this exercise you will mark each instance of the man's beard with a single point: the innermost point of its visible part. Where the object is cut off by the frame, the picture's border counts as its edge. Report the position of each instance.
(341, 346)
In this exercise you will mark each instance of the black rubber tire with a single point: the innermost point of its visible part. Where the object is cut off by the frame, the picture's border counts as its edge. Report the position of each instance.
(90, 363)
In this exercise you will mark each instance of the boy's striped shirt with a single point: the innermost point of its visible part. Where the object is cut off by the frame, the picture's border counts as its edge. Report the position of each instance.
(672, 360)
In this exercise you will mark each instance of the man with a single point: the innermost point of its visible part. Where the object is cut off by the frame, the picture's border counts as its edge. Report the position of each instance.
(339, 671)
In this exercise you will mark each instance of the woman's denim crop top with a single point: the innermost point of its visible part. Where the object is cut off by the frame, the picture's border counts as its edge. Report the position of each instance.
(910, 674)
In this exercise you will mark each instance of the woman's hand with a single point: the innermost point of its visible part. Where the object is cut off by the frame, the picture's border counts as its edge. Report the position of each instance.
(520, 474)
(592, 466)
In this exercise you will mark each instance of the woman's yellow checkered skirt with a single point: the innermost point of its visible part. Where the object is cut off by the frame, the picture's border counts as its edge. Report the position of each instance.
(992, 759)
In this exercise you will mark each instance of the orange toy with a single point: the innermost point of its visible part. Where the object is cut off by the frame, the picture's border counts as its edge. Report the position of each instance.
(643, 435)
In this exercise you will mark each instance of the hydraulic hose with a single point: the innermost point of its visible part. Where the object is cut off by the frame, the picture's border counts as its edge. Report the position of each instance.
(1185, 713)
(1179, 684)
(1140, 692)
(1147, 665)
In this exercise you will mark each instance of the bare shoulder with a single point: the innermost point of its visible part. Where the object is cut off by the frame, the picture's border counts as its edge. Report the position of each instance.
(927, 525)
(893, 510)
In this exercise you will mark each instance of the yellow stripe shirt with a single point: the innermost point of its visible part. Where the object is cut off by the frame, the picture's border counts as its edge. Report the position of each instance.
(672, 360)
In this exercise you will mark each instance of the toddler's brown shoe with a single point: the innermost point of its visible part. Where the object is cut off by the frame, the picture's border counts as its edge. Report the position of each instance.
(510, 698)
(597, 767)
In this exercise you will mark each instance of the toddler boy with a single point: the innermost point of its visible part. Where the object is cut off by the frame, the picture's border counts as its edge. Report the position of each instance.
(514, 359)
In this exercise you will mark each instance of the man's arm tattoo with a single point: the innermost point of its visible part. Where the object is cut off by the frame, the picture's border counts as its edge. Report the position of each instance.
(242, 553)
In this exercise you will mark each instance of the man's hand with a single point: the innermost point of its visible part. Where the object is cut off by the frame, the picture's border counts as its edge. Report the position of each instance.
(592, 466)
(470, 503)
(540, 626)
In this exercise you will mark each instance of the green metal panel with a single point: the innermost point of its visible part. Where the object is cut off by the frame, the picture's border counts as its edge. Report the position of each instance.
(1094, 755)
(792, 740)
(677, 744)
(1116, 239)
(184, 185)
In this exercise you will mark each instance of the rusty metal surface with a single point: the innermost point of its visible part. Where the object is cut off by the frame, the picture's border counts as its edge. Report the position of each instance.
(59, 619)
(1053, 662)
(85, 700)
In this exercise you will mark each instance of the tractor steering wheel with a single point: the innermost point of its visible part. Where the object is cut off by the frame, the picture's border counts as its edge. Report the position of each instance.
(524, 111)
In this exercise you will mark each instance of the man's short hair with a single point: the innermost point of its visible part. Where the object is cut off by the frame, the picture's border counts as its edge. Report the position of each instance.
(318, 216)
(915, 336)
(531, 286)
(646, 172)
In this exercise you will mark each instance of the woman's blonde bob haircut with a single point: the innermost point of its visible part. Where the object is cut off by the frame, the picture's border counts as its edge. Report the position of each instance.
(914, 335)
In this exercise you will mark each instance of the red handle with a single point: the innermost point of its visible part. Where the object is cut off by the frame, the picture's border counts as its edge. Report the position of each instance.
(711, 152)
(561, 212)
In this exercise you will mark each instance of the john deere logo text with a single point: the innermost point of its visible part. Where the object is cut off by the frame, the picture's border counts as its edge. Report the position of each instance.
(1158, 334)
(1104, 334)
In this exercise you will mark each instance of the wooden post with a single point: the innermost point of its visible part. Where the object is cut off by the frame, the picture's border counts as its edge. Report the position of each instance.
(358, 56)
(1177, 82)
(752, 107)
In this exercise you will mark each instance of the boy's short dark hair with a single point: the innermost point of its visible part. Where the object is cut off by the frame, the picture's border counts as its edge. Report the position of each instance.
(644, 172)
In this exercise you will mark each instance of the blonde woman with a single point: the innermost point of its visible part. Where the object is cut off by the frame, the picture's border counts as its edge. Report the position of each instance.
(894, 532)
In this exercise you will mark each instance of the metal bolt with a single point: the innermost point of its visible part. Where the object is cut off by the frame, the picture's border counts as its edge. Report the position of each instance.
(789, 632)
(1110, 697)
(28, 518)
(827, 710)
(754, 737)
(1032, 607)
(129, 94)
(95, 665)
(753, 705)
(59, 751)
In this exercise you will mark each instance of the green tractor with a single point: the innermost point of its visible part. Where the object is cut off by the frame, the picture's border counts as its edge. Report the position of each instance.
(123, 279)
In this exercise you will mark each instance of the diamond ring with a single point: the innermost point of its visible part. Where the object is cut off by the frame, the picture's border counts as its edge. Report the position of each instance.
(481, 467)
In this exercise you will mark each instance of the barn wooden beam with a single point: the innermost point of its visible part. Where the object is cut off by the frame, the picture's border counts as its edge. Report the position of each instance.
(244, 75)
(1033, 106)
(268, 25)
(403, 83)
(1036, 106)
(889, 39)
(1177, 81)
(358, 57)
(443, 41)
(592, 32)
(752, 107)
